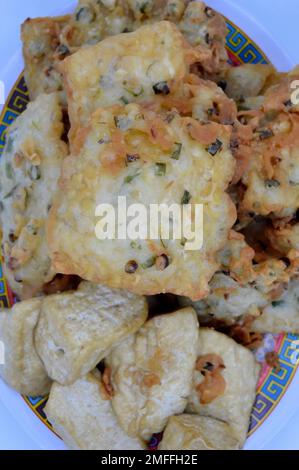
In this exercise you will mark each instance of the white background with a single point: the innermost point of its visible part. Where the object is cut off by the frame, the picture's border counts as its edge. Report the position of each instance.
(274, 26)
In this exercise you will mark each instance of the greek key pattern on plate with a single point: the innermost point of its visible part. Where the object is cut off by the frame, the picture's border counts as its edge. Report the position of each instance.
(275, 383)
(241, 49)
(15, 105)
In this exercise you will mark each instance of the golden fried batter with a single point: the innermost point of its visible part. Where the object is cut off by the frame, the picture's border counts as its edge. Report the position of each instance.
(29, 172)
(131, 152)
(272, 173)
(47, 41)
(125, 68)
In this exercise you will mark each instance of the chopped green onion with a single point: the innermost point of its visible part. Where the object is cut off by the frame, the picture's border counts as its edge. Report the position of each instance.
(135, 92)
(215, 147)
(149, 262)
(62, 51)
(160, 169)
(161, 88)
(186, 198)
(183, 241)
(85, 15)
(122, 122)
(124, 100)
(9, 144)
(177, 151)
(128, 179)
(8, 195)
(9, 171)
(135, 246)
(265, 134)
(35, 125)
(272, 184)
(277, 303)
(142, 7)
(34, 173)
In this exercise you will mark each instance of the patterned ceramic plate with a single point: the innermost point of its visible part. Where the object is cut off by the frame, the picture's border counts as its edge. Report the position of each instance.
(273, 385)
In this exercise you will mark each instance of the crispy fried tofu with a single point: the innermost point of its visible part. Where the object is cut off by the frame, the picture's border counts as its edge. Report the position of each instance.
(192, 432)
(151, 372)
(239, 374)
(201, 99)
(237, 258)
(284, 238)
(271, 175)
(282, 314)
(93, 20)
(248, 80)
(228, 301)
(123, 69)
(235, 302)
(22, 370)
(47, 41)
(84, 419)
(29, 172)
(133, 153)
(41, 46)
(76, 330)
(206, 30)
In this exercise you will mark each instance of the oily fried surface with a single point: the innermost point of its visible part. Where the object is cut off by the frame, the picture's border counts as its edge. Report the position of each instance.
(285, 237)
(282, 314)
(240, 373)
(29, 172)
(124, 68)
(77, 329)
(249, 81)
(192, 432)
(84, 419)
(201, 99)
(151, 372)
(23, 370)
(271, 174)
(47, 41)
(41, 48)
(101, 171)
(232, 302)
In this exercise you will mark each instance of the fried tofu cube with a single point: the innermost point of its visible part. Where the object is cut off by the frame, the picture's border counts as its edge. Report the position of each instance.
(192, 432)
(228, 395)
(151, 372)
(22, 369)
(29, 172)
(84, 418)
(77, 329)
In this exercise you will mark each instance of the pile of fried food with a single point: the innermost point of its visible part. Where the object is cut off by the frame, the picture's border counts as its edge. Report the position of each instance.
(136, 98)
